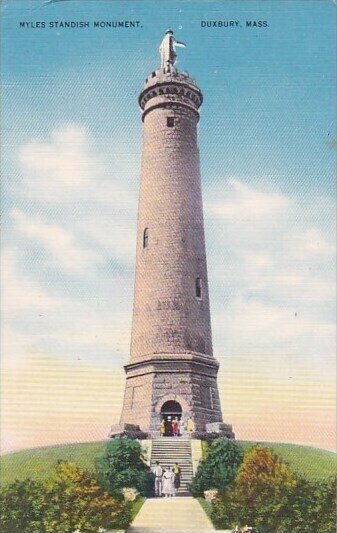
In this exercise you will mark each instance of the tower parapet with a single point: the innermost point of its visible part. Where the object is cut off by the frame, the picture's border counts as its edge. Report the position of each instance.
(170, 89)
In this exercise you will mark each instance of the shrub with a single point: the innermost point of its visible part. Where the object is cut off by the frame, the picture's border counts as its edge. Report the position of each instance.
(71, 500)
(219, 468)
(78, 502)
(263, 474)
(267, 495)
(123, 466)
(326, 501)
(23, 505)
(259, 491)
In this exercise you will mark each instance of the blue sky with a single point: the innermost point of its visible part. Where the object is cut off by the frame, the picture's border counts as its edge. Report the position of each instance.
(71, 158)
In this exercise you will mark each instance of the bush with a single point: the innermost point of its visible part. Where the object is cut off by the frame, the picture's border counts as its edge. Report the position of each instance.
(326, 502)
(123, 466)
(78, 502)
(258, 494)
(219, 468)
(69, 501)
(23, 506)
(268, 496)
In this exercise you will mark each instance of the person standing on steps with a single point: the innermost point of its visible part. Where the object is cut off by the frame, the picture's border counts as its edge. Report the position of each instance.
(162, 428)
(190, 426)
(168, 427)
(177, 477)
(158, 477)
(168, 483)
(175, 427)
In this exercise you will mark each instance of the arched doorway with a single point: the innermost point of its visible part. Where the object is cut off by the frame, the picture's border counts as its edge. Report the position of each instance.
(170, 410)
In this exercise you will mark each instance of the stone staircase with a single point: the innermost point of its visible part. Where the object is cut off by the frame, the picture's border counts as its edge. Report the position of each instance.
(171, 450)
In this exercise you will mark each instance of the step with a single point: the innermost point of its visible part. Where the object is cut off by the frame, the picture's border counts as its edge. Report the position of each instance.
(169, 451)
(172, 458)
(170, 454)
(187, 467)
(172, 442)
(172, 450)
(170, 461)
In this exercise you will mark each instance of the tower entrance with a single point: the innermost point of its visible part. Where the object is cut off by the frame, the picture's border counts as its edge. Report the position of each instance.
(170, 412)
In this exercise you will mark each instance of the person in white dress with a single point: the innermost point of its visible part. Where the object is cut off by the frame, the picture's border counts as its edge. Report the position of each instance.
(168, 488)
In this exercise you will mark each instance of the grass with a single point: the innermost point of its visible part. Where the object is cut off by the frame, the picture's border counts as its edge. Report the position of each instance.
(310, 463)
(39, 463)
(136, 508)
(207, 507)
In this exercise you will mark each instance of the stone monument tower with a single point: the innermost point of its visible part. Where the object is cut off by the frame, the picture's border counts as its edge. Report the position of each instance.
(172, 372)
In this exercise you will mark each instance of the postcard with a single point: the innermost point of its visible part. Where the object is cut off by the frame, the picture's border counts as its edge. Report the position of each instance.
(168, 266)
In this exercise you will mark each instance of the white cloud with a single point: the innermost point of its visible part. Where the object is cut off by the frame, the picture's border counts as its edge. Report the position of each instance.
(19, 292)
(67, 170)
(271, 279)
(53, 170)
(310, 244)
(61, 244)
(90, 328)
(276, 255)
(113, 232)
(243, 203)
(95, 191)
(260, 324)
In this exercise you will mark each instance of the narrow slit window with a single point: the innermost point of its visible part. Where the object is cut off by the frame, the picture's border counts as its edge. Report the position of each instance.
(146, 238)
(132, 396)
(198, 288)
(211, 397)
(170, 122)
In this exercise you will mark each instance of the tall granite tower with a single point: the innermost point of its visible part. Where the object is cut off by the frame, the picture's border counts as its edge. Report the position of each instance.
(172, 372)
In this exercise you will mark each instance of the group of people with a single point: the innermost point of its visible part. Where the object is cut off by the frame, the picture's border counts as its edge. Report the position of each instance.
(172, 427)
(166, 480)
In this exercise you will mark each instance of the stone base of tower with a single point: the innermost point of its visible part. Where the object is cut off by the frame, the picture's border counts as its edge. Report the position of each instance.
(173, 385)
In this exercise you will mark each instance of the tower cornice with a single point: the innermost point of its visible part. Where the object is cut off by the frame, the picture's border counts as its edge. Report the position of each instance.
(170, 89)
(203, 359)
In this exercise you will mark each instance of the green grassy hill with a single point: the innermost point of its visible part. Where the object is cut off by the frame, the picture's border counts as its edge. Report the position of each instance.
(39, 463)
(311, 463)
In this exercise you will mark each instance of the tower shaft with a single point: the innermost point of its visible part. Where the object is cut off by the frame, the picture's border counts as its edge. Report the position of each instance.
(171, 304)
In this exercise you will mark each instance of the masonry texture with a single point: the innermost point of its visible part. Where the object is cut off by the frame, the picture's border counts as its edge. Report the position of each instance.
(171, 344)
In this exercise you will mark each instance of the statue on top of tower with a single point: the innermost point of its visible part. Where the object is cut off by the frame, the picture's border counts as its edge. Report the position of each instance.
(167, 50)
